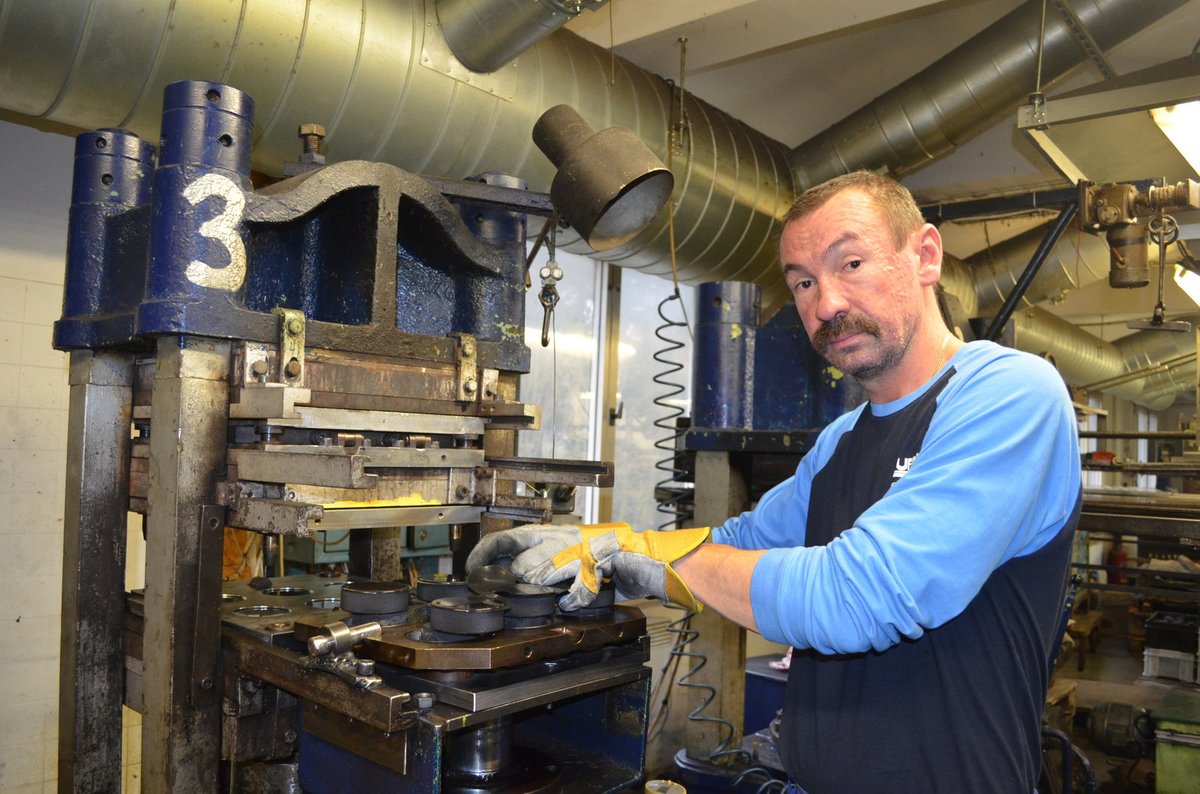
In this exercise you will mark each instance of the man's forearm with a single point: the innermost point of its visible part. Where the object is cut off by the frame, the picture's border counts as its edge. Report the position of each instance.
(719, 576)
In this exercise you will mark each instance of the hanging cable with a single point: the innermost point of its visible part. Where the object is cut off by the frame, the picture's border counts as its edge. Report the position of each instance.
(670, 493)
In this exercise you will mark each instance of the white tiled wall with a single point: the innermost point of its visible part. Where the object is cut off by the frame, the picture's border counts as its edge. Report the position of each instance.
(35, 189)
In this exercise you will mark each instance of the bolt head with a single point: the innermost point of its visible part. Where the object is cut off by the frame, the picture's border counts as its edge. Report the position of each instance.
(468, 347)
(295, 326)
(470, 386)
(424, 700)
(292, 370)
(311, 129)
(259, 368)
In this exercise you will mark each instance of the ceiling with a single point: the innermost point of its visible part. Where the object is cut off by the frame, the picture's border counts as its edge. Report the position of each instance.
(792, 69)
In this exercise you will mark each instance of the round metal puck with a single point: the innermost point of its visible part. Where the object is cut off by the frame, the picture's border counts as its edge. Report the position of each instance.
(442, 585)
(374, 598)
(472, 614)
(531, 600)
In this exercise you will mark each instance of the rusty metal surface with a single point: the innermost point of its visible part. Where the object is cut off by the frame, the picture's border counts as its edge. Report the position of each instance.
(508, 648)
(180, 739)
(91, 662)
(386, 748)
(382, 708)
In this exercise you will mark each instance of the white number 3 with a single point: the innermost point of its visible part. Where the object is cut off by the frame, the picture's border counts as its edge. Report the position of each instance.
(224, 229)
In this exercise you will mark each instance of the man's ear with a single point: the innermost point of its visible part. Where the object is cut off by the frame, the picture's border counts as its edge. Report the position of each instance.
(929, 251)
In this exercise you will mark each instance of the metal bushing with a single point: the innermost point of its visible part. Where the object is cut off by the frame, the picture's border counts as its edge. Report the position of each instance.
(531, 600)
(374, 598)
(442, 585)
(473, 614)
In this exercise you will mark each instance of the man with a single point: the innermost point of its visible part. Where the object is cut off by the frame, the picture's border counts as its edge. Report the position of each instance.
(917, 560)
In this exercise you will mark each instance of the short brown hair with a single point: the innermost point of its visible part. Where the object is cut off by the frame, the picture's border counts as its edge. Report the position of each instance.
(899, 209)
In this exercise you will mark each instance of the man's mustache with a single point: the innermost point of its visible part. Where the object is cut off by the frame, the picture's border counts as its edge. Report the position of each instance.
(840, 326)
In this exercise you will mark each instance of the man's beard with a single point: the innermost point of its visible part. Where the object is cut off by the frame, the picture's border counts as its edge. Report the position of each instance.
(840, 326)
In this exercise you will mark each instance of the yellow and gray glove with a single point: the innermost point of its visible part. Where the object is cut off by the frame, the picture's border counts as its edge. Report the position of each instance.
(639, 563)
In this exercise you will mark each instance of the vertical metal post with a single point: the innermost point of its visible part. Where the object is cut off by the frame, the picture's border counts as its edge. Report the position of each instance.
(92, 661)
(721, 492)
(189, 409)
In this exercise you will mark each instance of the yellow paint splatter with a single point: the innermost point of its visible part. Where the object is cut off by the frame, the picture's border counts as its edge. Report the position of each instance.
(511, 330)
(834, 374)
(735, 331)
(787, 440)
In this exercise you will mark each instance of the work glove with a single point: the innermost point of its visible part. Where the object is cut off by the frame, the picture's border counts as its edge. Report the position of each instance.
(637, 562)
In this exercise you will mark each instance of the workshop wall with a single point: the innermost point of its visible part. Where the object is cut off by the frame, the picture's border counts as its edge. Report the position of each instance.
(35, 191)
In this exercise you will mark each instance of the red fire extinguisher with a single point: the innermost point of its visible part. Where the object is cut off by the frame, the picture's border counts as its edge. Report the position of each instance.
(1117, 558)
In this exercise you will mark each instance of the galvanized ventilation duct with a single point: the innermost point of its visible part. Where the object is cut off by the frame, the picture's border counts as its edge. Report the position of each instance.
(1084, 358)
(382, 79)
(966, 91)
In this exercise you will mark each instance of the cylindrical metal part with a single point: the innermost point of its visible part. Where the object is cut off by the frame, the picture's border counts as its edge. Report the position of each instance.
(1129, 264)
(480, 752)
(105, 269)
(609, 184)
(486, 34)
(337, 637)
(375, 598)
(197, 239)
(723, 356)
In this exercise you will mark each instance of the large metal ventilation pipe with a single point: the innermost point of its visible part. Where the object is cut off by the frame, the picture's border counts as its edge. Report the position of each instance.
(967, 90)
(983, 281)
(1084, 358)
(381, 78)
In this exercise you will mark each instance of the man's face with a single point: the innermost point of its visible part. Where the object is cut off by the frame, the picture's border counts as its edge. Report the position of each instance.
(858, 296)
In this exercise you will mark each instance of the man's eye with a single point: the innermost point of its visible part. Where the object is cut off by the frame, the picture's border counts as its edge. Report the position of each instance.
(802, 284)
(854, 264)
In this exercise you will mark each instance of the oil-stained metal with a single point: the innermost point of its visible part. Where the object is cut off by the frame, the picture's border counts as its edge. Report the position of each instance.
(180, 745)
(91, 670)
(291, 345)
(386, 748)
(314, 466)
(383, 708)
(548, 470)
(353, 517)
(206, 641)
(506, 649)
(511, 691)
(468, 374)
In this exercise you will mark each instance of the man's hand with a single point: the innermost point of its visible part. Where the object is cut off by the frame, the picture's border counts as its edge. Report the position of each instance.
(637, 562)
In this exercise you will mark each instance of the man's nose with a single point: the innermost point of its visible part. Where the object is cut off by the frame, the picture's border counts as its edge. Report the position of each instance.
(831, 301)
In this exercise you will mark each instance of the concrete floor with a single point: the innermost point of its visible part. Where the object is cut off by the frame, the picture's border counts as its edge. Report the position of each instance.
(1113, 674)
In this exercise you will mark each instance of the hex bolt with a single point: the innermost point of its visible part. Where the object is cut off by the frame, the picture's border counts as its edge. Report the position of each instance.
(470, 386)
(424, 700)
(366, 667)
(290, 736)
(311, 135)
(294, 326)
(461, 492)
(259, 368)
(292, 370)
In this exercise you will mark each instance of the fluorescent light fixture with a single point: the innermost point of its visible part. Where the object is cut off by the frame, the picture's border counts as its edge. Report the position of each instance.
(1189, 282)
(1181, 124)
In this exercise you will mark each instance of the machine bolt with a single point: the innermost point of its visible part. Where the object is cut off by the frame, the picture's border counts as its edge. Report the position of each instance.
(424, 700)
(461, 492)
(292, 370)
(206, 683)
(290, 736)
(294, 326)
(259, 369)
(470, 386)
(366, 667)
(311, 135)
